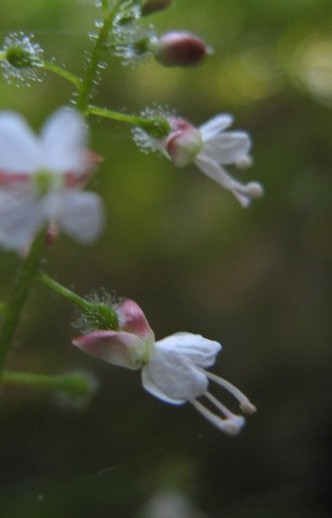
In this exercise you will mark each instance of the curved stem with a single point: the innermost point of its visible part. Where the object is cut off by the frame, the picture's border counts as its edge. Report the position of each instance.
(20, 291)
(48, 65)
(117, 116)
(61, 290)
(99, 314)
(157, 126)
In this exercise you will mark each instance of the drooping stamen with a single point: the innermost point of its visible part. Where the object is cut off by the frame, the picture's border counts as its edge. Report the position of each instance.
(218, 404)
(231, 425)
(246, 406)
(250, 190)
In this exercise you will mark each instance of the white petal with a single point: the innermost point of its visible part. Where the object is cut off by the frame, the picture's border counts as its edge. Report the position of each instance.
(20, 220)
(152, 388)
(217, 173)
(200, 350)
(175, 375)
(19, 147)
(64, 141)
(80, 214)
(228, 148)
(215, 125)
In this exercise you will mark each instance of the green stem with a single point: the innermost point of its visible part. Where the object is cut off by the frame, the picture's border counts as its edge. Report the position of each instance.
(61, 290)
(75, 383)
(99, 48)
(98, 315)
(157, 126)
(48, 65)
(117, 116)
(104, 4)
(20, 291)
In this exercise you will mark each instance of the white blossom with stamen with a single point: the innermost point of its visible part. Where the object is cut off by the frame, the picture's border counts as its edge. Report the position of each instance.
(210, 148)
(172, 369)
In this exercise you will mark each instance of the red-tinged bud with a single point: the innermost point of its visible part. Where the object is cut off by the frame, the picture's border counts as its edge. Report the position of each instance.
(128, 346)
(132, 319)
(152, 6)
(179, 49)
(184, 143)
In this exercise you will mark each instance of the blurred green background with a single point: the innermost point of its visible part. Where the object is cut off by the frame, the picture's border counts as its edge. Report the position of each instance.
(257, 280)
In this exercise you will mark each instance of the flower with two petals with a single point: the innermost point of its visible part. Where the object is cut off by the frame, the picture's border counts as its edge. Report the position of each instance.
(41, 180)
(173, 369)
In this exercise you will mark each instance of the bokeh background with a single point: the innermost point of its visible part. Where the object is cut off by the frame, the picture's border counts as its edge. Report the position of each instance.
(257, 280)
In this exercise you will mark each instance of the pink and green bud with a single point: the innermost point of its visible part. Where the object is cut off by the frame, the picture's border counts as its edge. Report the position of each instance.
(184, 143)
(179, 49)
(129, 346)
(152, 6)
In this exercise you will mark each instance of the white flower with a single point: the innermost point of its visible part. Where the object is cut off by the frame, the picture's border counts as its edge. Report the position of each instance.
(41, 178)
(175, 373)
(173, 369)
(210, 148)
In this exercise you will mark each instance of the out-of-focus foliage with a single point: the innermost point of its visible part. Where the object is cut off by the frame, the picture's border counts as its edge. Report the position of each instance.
(258, 280)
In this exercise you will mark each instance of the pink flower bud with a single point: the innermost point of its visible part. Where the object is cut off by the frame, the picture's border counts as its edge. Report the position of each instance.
(132, 319)
(128, 346)
(184, 143)
(152, 6)
(179, 49)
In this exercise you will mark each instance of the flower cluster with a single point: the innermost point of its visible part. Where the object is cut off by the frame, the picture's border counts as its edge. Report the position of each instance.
(172, 369)
(41, 180)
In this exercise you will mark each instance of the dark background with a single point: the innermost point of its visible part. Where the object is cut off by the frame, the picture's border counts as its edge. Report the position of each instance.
(257, 280)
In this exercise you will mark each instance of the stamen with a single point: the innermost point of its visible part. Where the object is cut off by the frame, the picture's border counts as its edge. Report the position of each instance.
(249, 190)
(246, 406)
(218, 404)
(231, 425)
(254, 189)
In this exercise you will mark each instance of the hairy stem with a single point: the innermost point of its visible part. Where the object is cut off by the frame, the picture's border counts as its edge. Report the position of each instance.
(99, 314)
(97, 52)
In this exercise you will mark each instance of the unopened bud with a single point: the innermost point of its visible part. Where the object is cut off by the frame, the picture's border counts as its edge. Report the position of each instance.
(20, 57)
(179, 49)
(152, 6)
(183, 145)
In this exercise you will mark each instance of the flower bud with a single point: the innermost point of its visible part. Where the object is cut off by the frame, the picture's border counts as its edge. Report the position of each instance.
(128, 346)
(184, 143)
(179, 49)
(152, 6)
(20, 56)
